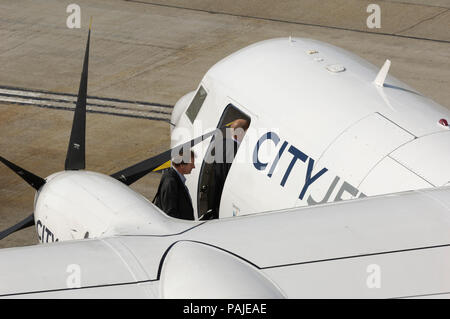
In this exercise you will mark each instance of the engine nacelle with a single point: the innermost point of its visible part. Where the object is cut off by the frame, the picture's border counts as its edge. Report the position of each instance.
(82, 204)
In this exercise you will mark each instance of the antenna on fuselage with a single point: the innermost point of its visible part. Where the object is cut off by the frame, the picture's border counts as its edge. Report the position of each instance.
(381, 76)
(76, 151)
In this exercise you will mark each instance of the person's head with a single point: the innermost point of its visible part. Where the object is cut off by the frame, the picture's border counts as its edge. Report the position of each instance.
(238, 128)
(182, 164)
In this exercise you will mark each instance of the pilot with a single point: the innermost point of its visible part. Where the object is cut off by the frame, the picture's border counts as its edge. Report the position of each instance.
(224, 156)
(173, 196)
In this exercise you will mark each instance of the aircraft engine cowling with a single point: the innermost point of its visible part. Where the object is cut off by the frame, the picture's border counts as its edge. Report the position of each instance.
(193, 270)
(108, 208)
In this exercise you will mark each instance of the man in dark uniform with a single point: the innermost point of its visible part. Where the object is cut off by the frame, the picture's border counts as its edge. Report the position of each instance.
(225, 151)
(173, 196)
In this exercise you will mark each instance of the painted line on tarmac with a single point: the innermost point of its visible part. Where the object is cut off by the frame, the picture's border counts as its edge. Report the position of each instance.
(99, 105)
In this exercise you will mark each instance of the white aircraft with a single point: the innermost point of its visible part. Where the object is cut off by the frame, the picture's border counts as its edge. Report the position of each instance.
(339, 130)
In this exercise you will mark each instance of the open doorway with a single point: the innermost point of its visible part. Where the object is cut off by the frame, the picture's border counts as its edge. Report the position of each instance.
(212, 173)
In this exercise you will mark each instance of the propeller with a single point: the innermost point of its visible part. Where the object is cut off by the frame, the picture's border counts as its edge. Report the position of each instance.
(27, 222)
(35, 181)
(75, 158)
(133, 173)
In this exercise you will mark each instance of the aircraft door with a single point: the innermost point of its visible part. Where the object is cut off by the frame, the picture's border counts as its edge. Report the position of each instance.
(213, 171)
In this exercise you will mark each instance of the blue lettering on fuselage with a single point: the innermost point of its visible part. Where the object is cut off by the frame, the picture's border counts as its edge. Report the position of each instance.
(268, 136)
(297, 154)
(310, 178)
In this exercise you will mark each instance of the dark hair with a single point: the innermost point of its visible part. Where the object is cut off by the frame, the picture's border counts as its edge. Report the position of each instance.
(179, 159)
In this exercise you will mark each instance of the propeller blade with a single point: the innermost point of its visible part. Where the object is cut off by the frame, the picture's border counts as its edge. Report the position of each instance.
(27, 222)
(75, 158)
(35, 181)
(133, 173)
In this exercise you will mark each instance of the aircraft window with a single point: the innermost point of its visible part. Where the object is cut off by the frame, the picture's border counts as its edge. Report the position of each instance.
(212, 177)
(196, 104)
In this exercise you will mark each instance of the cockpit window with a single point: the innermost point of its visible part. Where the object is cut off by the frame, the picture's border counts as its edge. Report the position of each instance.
(196, 104)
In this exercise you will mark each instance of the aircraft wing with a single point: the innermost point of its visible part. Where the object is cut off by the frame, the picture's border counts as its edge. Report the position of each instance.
(390, 246)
